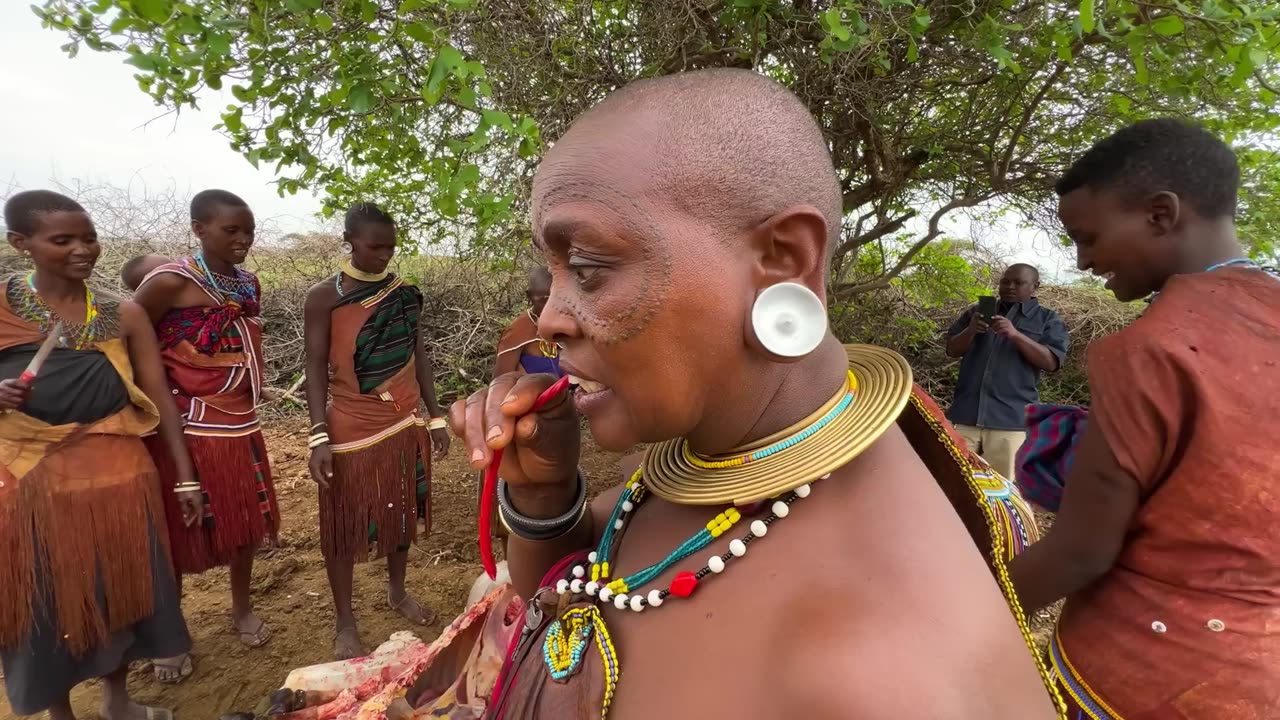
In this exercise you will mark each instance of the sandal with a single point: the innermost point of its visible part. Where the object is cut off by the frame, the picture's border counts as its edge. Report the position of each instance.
(181, 665)
(350, 653)
(254, 638)
(428, 615)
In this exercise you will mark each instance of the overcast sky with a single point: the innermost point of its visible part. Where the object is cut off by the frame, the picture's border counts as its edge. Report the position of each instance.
(85, 119)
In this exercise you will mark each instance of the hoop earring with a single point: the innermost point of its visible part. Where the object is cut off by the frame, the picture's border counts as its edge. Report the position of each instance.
(344, 247)
(789, 320)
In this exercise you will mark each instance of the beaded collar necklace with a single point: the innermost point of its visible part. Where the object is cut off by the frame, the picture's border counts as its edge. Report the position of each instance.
(75, 335)
(239, 285)
(1240, 262)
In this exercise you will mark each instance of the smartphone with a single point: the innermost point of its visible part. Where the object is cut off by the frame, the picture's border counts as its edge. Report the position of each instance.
(987, 307)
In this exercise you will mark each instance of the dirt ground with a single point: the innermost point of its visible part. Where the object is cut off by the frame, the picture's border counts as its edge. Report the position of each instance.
(291, 594)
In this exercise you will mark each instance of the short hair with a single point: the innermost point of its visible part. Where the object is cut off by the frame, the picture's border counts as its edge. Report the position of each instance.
(129, 270)
(539, 274)
(206, 203)
(736, 146)
(1165, 154)
(1035, 272)
(365, 212)
(20, 210)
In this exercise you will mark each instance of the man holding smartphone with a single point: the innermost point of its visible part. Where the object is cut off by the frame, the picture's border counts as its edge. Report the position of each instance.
(1006, 344)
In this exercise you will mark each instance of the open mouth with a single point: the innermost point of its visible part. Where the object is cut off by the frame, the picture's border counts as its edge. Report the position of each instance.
(586, 387)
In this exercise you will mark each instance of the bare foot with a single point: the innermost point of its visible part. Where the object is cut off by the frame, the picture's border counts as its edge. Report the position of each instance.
(253, 631)
(347, 644)
(171, 671)
(408, 607)
(134, 711)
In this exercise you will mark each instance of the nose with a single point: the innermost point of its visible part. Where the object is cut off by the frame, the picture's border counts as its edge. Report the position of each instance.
(557, 322)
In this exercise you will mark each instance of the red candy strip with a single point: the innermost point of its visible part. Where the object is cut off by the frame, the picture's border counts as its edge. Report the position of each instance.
(489, 494)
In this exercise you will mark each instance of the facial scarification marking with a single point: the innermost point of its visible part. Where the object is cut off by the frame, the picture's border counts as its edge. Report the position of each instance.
(642, 232)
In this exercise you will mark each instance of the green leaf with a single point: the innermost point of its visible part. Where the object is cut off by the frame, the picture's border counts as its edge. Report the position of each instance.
(913, 51)
(243, 94)
(145, 63)
(420, 32)
(1168, 26)
(468, 173)
(157, 11)
(219, 44)
(322, 22)
(450, 58)
(497, 118)
(1086, 16)
(832, 19)
(409, 6)
(368, 11)
(361, 98)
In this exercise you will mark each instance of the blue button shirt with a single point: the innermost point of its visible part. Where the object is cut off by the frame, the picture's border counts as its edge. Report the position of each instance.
(996, 383)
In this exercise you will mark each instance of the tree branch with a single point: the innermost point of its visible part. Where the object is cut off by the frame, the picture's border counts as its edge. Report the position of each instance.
(935, 221)
(884, 228)
(1002, 170)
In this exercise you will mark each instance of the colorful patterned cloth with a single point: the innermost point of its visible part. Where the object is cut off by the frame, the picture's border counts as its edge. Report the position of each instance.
(1045, 458)
(211, 329)
(388, 336)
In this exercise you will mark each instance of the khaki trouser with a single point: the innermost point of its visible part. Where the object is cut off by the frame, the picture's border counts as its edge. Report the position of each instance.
(997, 447)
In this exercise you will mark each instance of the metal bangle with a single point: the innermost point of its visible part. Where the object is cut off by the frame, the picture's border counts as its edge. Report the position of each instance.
(541, 529)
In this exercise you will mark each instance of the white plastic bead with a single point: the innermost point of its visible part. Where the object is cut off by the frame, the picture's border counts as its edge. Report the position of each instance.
(780, 509)
(758, 528)
(579, 571)
(605, 594)
(655, 597)
(637, 603)
(1217, 625)
(803, 491)
(562, 587)
(716, 564)
(620, 601)
(617, 524)
(592, 557)
(737, 547)
(628, 506)
(1159, 627)
(576, 585)
(592, 587)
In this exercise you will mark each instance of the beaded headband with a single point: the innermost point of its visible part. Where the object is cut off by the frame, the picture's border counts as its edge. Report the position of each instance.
(843, 428)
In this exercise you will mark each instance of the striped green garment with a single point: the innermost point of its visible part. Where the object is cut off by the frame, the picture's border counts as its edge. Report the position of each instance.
(386, 341)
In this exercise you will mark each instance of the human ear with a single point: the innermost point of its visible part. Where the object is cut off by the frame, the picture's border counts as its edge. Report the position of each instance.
(197, 229)
(791, 246)
(18, 241)
(1163, 212)
(788, 315)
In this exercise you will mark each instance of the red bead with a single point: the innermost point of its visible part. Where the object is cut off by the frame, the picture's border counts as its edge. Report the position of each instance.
(684, 584)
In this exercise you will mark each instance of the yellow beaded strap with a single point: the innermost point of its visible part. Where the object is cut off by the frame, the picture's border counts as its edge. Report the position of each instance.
(998, 552)
(882, 380)
(355, 273)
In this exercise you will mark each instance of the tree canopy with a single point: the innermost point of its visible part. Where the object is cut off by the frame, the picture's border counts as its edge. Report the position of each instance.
(439, 109)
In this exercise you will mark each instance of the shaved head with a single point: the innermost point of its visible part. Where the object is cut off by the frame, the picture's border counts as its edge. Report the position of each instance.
(729, 146)
(539, 279)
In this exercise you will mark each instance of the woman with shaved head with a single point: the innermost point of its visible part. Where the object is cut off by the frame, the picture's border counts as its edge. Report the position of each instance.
(783, 550)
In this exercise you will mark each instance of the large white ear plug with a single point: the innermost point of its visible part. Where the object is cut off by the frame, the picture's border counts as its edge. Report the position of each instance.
(789, 320)
(344, 247)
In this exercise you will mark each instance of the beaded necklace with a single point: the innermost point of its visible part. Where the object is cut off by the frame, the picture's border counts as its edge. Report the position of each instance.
(240, 285)
(569, 636)
(75, 335)
(1241, 262)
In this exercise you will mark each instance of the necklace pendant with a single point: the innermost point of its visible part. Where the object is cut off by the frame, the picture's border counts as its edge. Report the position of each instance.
(566, 643)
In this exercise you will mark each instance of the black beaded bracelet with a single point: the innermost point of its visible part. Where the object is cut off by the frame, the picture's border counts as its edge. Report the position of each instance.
(539, 529)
